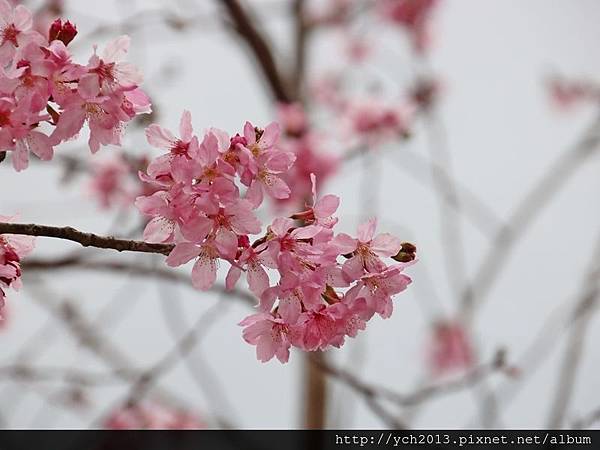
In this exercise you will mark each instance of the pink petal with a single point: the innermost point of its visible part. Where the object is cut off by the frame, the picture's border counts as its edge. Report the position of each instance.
(326, 206)
(280, 161)
(258, 280)
(249, 133)
(267, 298)
(89, 86)
(116, 50)
(227, 243)
(243, 220)
(275, 186)
(197, 228)
(270, 135)
(204, 273)
(290, 309)
(159, 137)
(366, 231)
(345, 243)
(151, 204)
(40, 145)
(185, 126)
(159, 230)
(69, 124)
(281, 225)
(385, 244)
(254, 194)
(182, 253)
(353, 268)
(265, 348)
(20, 156)
(232, 277)
(22, 18)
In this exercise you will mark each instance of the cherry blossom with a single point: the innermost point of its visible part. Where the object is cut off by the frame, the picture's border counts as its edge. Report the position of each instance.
(12, 249)
(314, 287)
(47, 98)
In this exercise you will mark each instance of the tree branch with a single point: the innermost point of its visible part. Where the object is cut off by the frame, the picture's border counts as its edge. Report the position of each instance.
(85, 239)
(244, 26)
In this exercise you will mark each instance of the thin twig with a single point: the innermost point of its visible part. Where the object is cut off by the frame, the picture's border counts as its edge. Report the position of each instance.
(575, 343)
(524, 214)
(128, 268)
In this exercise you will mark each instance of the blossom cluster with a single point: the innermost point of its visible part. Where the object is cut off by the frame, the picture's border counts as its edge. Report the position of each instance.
(12, 249)
(46, 98)
(327, 285)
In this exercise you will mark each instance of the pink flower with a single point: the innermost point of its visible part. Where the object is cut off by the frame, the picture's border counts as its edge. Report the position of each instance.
(18, 136)
(378, 288)
(322, 327)
(15, 29)
(114, 182)
(266, 163)
(204, 272)
(256, 276)
(449, 348)
(270, 335)
(366, 250)
(321, 211)
(170, 211)
(12, 249)
(162, 138)
(109, 74)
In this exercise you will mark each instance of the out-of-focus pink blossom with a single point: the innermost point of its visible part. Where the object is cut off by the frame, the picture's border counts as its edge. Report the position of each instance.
(152, 416)
(374, 121)
(566, 93)
(449, 348)
(413, 15)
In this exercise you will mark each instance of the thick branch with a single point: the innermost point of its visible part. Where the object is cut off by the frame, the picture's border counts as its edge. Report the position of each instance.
(258, 44)
(85, 239)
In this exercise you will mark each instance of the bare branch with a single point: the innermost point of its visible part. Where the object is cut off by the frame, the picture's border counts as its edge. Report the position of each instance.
(85, 239)
(529, 207)
(246, 29)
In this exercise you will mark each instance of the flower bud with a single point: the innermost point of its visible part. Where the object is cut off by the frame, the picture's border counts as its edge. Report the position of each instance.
(63, 32)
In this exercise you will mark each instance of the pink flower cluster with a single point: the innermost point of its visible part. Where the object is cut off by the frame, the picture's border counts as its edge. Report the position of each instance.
(46, 98)
(329, 285)
(12, 249)
(152, 416)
